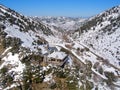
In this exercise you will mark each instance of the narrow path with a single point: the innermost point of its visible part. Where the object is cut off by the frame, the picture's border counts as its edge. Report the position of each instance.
(80, 60)
(103, 59)
(5, 52)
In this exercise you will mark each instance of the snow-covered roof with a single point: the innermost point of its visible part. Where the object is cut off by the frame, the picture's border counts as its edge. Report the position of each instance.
(57, 55)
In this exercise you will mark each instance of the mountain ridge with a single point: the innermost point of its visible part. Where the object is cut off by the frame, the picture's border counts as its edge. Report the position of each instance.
(103, 33)
(61, 23)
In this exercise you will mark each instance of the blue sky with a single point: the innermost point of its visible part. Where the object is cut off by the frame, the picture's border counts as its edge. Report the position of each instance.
(71, 8)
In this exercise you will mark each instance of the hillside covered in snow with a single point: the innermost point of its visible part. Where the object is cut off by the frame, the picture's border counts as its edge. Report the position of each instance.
(36, 55)
(102, 34)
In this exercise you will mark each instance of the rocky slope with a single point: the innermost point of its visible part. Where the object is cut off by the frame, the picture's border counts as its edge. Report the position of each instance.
(19, 37)
(102, 34)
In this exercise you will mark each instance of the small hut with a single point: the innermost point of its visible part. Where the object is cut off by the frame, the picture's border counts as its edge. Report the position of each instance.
(56, 58)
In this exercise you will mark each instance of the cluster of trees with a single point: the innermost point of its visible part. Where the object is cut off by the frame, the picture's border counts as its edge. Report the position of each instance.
(111, 78)
(6, 79)
(14, 42)
(33, 73)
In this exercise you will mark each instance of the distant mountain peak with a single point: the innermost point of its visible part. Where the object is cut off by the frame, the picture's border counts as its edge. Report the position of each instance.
(61, 23)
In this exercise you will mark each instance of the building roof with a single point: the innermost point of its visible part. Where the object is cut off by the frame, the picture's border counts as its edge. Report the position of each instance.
(57, 55)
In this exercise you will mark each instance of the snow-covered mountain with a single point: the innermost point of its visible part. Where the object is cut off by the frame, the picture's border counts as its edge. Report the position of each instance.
(35, 56)
(61, 23)
(16, 25)
(19, 37)
(102, 34)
